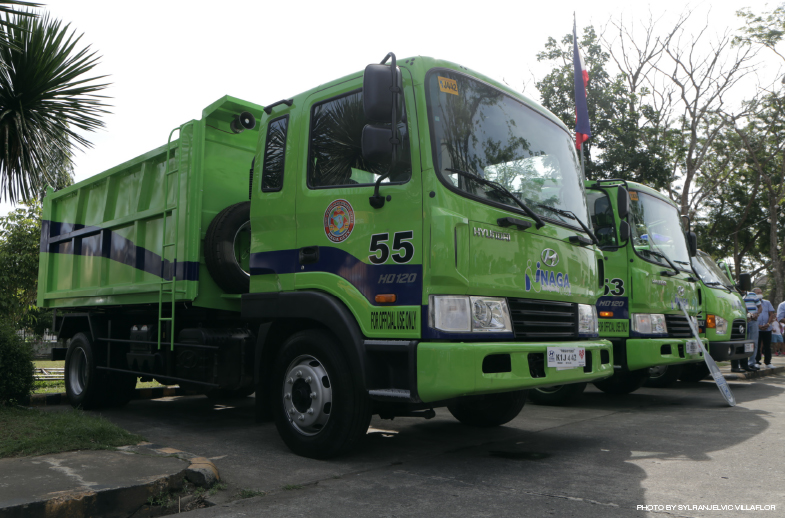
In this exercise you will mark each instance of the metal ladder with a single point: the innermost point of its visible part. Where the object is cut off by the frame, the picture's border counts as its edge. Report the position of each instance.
(168, 288)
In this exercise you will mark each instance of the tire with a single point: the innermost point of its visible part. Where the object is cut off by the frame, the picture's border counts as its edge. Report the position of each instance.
(488, 410)
(227, 248)
(312, 362)
(663, 376)
(694, 372)
(623, 382)
(85, 386)
(559, 395)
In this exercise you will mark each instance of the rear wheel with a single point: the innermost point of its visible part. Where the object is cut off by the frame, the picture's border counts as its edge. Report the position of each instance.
(318, 403)
(558, 395)
(623, 382)
(663, 376)
(488, 410)
(88, 387)
(694, 372)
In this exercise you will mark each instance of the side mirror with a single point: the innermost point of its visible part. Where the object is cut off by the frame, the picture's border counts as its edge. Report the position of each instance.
(622, 202)
(745, 282)
(376, 143)
(692, 243)
(624, 231)
(378, 89)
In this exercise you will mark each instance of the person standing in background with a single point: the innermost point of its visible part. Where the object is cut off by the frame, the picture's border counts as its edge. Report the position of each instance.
(752, 302)
(776, 336)
(766, 317)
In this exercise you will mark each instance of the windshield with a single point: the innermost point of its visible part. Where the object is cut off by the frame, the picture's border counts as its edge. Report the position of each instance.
(481, 130)
(656, 230)
(708, 271)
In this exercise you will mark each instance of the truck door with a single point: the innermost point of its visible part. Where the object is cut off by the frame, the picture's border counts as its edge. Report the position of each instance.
(346, 247)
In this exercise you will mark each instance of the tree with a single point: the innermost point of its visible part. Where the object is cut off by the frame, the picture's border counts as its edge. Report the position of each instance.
(20, 236)
(8, 7)
(45, 103)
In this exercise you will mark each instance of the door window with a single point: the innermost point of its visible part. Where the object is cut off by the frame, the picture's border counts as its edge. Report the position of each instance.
(335, 152)
(274, 154)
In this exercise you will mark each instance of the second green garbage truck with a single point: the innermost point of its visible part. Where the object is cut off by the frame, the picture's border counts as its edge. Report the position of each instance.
(408, 237)
(648, 273)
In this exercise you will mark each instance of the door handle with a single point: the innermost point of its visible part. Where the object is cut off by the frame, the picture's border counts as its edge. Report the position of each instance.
(309, 254)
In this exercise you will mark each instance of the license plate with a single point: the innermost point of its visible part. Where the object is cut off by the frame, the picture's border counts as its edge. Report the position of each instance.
(693, 347)
(566, 357)
(748, 348)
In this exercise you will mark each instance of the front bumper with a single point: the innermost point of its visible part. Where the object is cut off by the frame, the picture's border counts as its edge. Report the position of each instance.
(449, 370)
(731, 350)
(643, 353)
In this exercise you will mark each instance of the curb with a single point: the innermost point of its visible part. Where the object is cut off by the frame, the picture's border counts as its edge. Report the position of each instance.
(143, 393)
(122, 501)
(752, 375)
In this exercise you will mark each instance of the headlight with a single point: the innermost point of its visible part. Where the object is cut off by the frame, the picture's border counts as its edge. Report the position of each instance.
(587, 320)
(649, 324)
(460, 314)
(722, 325)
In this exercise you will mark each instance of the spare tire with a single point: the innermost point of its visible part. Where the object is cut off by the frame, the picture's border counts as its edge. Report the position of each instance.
(227, 248)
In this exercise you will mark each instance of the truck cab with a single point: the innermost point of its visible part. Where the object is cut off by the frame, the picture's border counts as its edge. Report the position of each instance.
(411, 236)
(722, 320)
(648, 277)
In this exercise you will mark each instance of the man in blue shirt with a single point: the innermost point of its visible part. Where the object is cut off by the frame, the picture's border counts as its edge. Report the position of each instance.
(767, 316)
(752, 301)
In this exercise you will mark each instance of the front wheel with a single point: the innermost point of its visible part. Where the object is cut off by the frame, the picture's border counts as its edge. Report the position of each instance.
(623, 382)
(663, 376)
(558, 395)
(318, 403)
(488, 410)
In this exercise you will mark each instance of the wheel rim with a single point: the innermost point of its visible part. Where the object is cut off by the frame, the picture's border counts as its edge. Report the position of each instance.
(307, 395)
(77, 371)
(657, 372)
(242, 247)
(549, 390)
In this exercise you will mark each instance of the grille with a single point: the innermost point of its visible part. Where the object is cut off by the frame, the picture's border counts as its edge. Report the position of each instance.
(678, 327)
(543, 320)
(734, 330)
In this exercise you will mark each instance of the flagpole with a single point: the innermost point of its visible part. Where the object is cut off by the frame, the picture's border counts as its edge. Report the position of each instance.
(583, 165)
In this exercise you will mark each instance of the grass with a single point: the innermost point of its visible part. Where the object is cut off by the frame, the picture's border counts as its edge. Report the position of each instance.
(58, 386)
(290, 487)
(250, 493)
(27, 432)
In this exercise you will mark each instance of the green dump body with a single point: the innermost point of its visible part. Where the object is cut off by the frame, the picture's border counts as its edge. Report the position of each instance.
(102, 239)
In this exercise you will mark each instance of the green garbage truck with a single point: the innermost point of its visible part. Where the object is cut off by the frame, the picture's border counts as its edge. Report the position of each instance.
(411, 236)
(648, 275)
(722, 321)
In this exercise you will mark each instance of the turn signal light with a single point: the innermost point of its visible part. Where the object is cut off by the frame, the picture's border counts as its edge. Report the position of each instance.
(385, 299)
(606, 314)
(711, 321)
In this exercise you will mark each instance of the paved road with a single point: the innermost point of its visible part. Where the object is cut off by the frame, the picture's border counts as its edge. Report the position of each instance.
(602, 457)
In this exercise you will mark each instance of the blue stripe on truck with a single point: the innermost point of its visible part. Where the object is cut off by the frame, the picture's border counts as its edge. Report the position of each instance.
(91, 241)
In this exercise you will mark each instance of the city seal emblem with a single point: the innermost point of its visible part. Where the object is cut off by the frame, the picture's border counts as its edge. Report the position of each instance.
(338, 221)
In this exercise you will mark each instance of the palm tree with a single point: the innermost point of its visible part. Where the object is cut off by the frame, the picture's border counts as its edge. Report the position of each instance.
(45, 103)
(8, 7)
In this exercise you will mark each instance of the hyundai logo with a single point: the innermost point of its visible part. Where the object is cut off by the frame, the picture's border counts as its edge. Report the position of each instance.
(741, 329)
(550, 257)
(680, 289)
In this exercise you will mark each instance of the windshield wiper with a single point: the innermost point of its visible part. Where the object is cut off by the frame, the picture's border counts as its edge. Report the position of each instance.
(682, 262)
(571, 215)
(676, 271)
(715, 283)
(538, 222)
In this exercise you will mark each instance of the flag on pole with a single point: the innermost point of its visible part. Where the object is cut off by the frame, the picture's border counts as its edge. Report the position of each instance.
(582, 129)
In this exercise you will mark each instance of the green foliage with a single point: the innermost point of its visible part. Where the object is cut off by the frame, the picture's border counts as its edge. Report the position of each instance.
(626, 137)
(34, 432)
(45, 99)
(9, 7)
(20, 234)
(766, 29)
(16, 367)
(250, 493)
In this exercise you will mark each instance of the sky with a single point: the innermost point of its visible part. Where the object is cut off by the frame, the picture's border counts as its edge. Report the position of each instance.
(169, 59)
